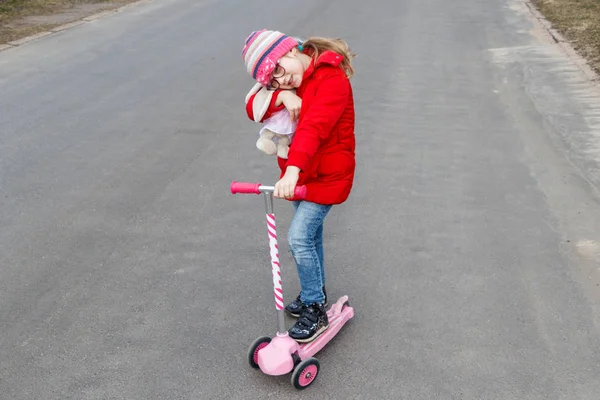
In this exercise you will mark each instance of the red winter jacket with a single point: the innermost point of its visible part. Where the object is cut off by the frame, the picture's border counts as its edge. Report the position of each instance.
(323, 145)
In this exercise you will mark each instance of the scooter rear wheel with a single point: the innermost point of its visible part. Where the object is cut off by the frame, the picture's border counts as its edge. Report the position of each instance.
(255, 348)
(305, 373)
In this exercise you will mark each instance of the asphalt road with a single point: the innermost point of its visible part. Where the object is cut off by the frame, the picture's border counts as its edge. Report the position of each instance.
(469, 247)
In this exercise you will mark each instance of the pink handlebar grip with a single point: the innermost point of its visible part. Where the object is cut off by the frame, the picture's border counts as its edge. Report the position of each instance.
(300, 192)
(245, 187)
(255, 188)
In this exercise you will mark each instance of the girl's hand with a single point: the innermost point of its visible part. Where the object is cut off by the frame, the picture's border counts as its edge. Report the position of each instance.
(284, 188)
(292, 103)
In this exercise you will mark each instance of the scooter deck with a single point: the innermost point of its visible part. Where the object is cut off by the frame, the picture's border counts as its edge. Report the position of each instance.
(275, 358)
(338, 315)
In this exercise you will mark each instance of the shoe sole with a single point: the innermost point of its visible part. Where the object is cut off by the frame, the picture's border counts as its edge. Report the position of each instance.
(292, 314)
(298, 315)
(313, 337)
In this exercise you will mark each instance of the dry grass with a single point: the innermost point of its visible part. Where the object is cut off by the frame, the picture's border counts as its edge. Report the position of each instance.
(579, 22)
(20, 18)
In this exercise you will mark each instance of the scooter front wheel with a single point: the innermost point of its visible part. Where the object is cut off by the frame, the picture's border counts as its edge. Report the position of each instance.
(255, 347)
(305, 373)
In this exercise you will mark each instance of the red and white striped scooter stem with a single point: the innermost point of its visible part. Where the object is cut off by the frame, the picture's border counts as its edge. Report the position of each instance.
(276, 267)
(299, 194)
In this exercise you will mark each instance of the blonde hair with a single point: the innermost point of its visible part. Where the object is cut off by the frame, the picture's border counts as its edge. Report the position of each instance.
(318, 45)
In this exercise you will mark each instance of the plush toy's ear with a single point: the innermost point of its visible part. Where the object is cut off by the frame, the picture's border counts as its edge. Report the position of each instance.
(252, 91)
(260, 103)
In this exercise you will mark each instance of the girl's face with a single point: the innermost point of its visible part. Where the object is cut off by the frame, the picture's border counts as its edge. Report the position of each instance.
(289, 71)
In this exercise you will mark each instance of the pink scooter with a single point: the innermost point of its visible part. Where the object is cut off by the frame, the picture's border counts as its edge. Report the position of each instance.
(282, 354)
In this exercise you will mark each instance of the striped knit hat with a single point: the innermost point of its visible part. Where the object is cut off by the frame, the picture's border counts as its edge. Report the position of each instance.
(262, 51)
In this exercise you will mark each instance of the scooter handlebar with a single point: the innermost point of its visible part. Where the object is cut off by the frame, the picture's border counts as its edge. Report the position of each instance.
(257, 188)
(245, 188)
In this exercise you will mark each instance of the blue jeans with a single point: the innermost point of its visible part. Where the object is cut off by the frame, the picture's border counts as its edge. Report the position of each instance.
(305, 239)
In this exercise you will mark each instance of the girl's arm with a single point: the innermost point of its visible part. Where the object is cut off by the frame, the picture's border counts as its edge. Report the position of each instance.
(319, 119)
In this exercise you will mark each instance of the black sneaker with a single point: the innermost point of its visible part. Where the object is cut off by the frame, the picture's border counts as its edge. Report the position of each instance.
(296, 306)
(312, 322)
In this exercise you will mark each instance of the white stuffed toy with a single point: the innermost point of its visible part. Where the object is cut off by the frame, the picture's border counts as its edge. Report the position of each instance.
(278, 130)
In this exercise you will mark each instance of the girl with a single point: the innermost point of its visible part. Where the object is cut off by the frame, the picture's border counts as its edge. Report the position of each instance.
(321, 155)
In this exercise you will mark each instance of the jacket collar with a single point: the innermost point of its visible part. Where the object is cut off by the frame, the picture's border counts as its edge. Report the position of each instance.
(328, 57)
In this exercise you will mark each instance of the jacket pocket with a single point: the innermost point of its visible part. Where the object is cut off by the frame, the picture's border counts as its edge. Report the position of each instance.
(336, 165)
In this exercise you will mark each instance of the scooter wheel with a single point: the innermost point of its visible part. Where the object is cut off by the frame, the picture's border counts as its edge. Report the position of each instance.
(305, 373)
(255, 348)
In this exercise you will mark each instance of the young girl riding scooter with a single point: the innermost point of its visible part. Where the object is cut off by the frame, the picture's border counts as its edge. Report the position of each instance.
(321, 156)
